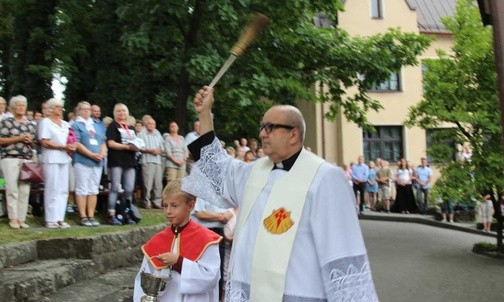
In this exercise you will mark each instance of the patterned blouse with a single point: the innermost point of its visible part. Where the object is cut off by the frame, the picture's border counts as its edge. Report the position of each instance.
(10, 128)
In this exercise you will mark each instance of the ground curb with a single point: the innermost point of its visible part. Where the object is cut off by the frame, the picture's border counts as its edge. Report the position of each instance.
(415, 219)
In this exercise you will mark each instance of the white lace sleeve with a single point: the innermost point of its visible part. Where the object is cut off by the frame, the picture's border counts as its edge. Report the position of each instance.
(207, 176)
(349, 279)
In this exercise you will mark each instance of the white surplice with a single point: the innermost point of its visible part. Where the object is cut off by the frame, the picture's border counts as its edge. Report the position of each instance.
(328, 261)
(198, 281)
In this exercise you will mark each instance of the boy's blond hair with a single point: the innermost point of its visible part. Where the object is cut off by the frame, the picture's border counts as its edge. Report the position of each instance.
(174, 187)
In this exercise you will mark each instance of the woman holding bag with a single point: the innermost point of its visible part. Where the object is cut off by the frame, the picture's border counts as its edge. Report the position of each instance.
(54, 132)
(16, 139)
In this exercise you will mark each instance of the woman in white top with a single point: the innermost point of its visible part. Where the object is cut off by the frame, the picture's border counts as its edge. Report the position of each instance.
(405, 199)
(53, 135)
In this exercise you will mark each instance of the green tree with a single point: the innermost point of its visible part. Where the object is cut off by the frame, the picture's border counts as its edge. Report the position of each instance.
(461, 92)
(185, 43)
(6, 23)
(90, 56)
(153, 55)
(31, 63)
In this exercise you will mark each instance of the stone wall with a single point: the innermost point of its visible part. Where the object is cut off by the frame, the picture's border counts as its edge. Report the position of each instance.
(30, 271)
(108, 251)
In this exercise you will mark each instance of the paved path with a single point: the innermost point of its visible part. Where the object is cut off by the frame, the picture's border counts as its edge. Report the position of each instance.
(415, 262)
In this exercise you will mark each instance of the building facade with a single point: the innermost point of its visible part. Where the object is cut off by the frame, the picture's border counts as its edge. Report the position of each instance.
(341, 141)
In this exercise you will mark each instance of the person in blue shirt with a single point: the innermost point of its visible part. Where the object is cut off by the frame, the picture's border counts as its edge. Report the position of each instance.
(372, 186)
(423, 177)
(360, 174)
(95, 116)
(88, 163)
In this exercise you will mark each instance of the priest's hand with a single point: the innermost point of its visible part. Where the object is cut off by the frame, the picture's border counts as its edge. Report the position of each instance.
(168, 258)
(203, 100)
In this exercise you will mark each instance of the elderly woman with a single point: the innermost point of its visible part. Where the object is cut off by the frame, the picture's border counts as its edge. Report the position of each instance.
(121, 159)
(16, 139)
(53, 135)
(88, 163)
(176, 153)
(3, 112)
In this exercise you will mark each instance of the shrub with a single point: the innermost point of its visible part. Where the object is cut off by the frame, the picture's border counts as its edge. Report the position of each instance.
(484, 247)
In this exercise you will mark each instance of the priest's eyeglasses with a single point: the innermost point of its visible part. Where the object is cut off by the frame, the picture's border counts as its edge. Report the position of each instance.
(269, 127)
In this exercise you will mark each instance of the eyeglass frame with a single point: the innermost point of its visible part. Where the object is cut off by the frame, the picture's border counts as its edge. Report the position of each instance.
(269, 127)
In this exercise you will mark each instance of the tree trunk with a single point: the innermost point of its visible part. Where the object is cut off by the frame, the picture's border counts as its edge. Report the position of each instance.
(181, 105)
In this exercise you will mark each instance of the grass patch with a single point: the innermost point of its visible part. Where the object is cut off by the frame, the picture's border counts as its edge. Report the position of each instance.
(488, 249)
(37, 231)
(484, 247)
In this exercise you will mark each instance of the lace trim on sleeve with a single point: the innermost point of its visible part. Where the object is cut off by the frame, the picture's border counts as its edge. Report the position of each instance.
(207, 176)
(237, 291)
(349, 279)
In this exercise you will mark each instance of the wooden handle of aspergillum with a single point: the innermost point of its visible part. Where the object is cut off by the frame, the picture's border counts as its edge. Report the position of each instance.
(250, 33)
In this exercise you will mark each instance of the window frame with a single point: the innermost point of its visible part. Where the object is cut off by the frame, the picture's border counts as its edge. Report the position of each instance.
(387, 86)
(369, 139)
(376, 9)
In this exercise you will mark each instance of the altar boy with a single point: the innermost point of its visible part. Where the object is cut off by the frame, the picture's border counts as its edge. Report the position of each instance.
(186, 250)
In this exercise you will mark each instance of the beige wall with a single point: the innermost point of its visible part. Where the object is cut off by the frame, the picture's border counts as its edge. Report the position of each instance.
(356, 19)
(341, 141)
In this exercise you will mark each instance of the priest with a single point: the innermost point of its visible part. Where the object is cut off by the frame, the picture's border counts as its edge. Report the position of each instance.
(297, 236)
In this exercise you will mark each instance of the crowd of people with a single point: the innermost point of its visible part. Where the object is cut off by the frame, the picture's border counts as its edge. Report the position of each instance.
(108, 149)
(71, 154)
(375, 184)
(127, 157)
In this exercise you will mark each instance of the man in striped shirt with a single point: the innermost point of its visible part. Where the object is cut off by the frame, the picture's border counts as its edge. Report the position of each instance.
(152, 164)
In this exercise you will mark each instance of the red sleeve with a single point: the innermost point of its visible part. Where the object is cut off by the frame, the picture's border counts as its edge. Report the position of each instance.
(178, 265)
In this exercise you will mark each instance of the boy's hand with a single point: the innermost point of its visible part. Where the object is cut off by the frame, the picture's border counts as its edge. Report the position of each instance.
(167, 258)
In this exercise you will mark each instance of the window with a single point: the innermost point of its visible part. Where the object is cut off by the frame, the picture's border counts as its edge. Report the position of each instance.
(424, 70)
(376, 9)
(386, 142)
(392, 84)
(321, 20)
(441, 145)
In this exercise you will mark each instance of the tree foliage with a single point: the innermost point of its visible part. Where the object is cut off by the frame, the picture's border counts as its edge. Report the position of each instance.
(6, 24)
(90, 56)
(153, 56)
(32, 39)
(460, 91)
(187, 41)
